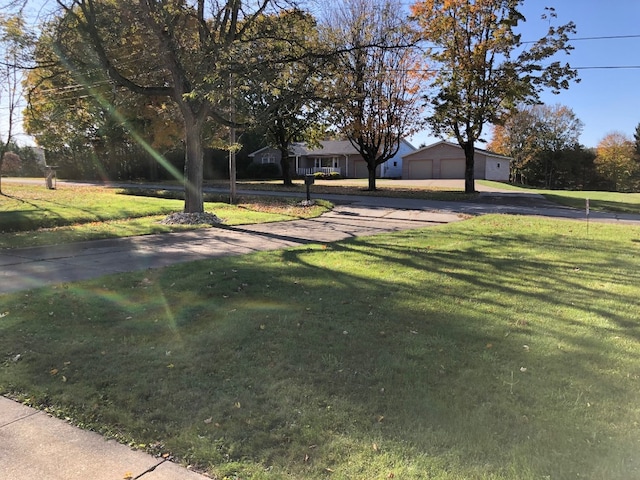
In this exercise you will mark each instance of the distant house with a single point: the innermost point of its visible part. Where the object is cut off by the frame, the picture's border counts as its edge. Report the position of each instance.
(446, 160)
(334, 156)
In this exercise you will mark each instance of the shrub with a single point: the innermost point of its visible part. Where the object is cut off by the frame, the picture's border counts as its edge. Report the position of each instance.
(327, 176)
(12, 164)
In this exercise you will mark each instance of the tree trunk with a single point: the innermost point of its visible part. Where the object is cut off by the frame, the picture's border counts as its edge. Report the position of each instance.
(469, 174)
(193, 166)
(285, 165)
(372, 176)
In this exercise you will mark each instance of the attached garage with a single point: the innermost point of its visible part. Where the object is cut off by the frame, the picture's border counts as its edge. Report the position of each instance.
(446, 160)
(420, 168)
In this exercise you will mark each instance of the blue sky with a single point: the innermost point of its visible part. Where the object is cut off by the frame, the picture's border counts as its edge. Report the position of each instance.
(605, 100)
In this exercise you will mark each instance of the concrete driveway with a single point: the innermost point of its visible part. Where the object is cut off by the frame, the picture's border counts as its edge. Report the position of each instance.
(26, 268)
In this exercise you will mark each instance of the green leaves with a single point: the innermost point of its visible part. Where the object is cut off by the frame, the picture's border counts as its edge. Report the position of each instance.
(478, 79)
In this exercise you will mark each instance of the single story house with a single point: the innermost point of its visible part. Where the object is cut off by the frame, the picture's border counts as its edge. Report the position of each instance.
(445, 159)
(334, 156)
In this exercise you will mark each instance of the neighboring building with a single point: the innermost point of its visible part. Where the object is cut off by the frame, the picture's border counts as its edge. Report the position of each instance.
(446, 160)
(334, 156)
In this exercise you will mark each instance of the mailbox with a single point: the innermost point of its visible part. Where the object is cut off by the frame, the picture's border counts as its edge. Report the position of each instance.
(308, 181)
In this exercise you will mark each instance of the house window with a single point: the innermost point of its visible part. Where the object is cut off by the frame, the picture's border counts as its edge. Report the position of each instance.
(326, 162)
(268, 157)
(498, 165)
(395, 164)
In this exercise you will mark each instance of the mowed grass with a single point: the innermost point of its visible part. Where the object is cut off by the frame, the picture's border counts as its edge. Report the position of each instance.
(601, 201)
(495, 348)
(31, 215)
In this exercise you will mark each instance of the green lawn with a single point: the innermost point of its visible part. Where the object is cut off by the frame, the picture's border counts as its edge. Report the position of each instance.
(602, 201)
(495, 348)
(31, 215)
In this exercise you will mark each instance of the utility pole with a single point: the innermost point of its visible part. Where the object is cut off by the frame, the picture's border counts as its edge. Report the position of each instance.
(233, 196)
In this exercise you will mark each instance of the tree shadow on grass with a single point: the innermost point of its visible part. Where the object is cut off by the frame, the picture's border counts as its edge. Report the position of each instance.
(454, 354)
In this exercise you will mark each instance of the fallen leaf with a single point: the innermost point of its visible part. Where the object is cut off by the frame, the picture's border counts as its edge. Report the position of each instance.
(237, 405)
(128, 476)
(54, 371)
(375, 447)
(208, 420)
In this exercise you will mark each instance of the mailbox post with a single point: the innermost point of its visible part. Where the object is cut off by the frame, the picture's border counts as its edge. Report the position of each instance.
(308, 181)
(50, 178)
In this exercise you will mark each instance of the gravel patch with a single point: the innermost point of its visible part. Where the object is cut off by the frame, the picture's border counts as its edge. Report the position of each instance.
(181, 218)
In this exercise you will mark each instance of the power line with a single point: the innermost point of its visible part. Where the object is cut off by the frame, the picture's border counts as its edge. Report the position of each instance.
(606, 37)
(610, 67)
(603, 37)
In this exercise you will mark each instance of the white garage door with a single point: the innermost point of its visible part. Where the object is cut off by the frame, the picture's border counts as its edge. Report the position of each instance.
(420, 169)
(453, 168)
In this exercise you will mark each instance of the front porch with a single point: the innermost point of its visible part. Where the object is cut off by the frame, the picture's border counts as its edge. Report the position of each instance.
(325, 170)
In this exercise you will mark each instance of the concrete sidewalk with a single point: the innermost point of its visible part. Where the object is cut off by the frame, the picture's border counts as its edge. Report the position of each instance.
(36, 446)
(33, 445)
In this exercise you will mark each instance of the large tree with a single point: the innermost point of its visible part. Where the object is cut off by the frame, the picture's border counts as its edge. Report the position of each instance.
(288, 97)
(482, 69)
(536, 136)
(188, 56)
(77, 115)
(377, 101)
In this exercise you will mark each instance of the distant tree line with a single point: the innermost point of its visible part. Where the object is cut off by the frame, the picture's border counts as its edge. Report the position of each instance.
(544, 143)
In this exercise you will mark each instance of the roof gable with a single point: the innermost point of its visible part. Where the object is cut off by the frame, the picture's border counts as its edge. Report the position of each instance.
(447, 143)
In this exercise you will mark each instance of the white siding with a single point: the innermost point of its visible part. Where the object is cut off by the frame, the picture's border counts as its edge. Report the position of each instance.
(497, 169)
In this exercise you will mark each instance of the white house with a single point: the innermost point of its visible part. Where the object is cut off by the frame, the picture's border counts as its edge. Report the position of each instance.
(334, 156)
(446, 160)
